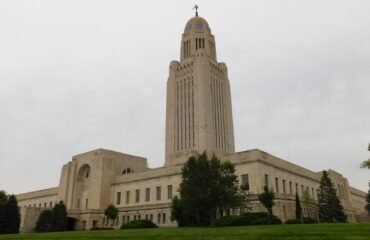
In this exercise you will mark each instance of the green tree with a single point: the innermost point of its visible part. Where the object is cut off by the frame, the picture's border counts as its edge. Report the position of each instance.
(367, 206)
(306, 200)
(267, 198)
(208, 187)
(3, 203)
(44, 223)
(366, 164)
(60, 218)
(111, 212)
(330, 209)
(12, 217)
(298, 208)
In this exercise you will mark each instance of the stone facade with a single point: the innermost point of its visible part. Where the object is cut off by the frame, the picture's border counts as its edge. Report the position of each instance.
(198, 118)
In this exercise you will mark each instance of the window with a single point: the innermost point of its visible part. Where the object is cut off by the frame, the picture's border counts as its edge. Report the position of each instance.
(245, 182)
(158, 193)
(296, 188)
(137, 195)
(87, 203)
(50, 204)
(127, 197)
(163, 218)
(277, 184)
(78, 203)
(284, 186)
(266, 179)
(159, 218)
(45, 204)
(302, 187)
(313, 193)
(128, 219)
(118, 202)
(290, 188)
(147, 194)
(169, 192)
(151, 217)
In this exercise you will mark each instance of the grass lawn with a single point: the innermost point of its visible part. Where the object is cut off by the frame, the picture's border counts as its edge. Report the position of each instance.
(275, 232)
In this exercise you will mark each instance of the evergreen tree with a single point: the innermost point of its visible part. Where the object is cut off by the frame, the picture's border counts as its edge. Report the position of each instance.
(60, 218)
(267, 198)
(111, 212)
(44, 223)
(330, 209)
(208, 187)
(298, 208)
(367, 206)
(12, 218)
(3, 203)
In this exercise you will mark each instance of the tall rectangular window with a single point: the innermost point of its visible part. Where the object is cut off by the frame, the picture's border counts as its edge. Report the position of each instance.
(118, 200)
(78, 203)
(127, 197)
(302, 190)
(284, 186)
(158, 193)
(266, 179)
(159, 218)
(296, 188)
(245, 182)
(87, 203)
(290, 188)
(169, 191)
(277, 184)
(147, 194)
(164, 218)
(137, 195)
(313, 193)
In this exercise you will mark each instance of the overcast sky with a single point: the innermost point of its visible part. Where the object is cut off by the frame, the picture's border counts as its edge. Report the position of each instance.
(81, 75)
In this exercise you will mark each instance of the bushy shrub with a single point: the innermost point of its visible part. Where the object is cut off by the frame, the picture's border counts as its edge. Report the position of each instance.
(298, 221)
(139, 224)
(265, 221)
(252, 218)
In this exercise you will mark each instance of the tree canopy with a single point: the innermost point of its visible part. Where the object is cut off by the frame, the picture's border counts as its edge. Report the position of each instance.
(298, 208)
(330, 209)
(367, 206)
(60, 218)
(267, 198)
(111, 212)
(208, 188)
(10, 217)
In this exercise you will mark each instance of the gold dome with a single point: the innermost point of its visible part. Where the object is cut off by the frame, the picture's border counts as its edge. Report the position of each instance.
(197, 24)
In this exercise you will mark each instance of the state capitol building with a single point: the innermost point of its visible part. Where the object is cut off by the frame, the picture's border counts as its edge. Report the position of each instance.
(198, 118)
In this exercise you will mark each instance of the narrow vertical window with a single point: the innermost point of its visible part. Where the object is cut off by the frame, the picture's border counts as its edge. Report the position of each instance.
(137, 195)
(147, 194)
(284, 186)
(158, 193)
(127, 197)
(87, 203)
(290, 188)
(245, 182)
(266, 180)
(118, 200)
(159, 218)
(169, 192)
(277, 184)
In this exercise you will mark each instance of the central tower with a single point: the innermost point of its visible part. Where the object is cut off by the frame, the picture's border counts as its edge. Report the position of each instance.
(199, 114)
